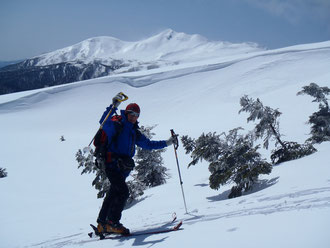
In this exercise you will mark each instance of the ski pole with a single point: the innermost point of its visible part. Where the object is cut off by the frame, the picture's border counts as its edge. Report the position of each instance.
(123, 98)
(176, 145)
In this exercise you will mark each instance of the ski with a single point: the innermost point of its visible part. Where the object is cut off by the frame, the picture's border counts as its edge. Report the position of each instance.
(175, 228)
(141, 233)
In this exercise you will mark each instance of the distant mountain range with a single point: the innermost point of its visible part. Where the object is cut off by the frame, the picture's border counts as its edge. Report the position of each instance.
(6, 63)
(103, 56)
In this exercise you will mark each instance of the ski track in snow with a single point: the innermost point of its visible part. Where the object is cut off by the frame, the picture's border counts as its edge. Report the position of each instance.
(293, 201)
(305, 199)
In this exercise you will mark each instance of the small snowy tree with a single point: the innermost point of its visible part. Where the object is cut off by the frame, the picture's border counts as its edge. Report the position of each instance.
(149, 163)
(232, 158)
(101, 182)
(136, 189)
(268, 127)
(3, 173)
(320, 120)
(149, 171)
(292, 151)
(86, 161)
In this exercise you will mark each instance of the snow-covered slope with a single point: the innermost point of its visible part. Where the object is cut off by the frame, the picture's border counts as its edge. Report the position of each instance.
(45, 202)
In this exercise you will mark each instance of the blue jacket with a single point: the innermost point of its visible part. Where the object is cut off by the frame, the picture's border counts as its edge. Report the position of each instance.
(128, 137)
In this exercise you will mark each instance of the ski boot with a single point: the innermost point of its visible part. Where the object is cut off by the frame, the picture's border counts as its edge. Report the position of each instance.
(103, 228)
(116, 227)
(112, 227)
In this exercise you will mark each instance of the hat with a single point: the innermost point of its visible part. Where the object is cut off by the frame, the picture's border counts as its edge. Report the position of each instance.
(132, 107)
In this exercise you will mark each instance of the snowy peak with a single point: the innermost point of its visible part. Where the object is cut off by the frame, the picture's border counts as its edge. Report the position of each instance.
(87, 51)
(167, 42)
(98, 45)
(167, 45)
(170, 36)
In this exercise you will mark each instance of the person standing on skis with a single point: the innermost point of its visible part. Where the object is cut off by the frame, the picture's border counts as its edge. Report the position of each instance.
(122, 134)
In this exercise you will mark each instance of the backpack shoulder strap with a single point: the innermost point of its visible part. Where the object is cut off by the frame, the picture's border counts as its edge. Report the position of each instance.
(118, 126)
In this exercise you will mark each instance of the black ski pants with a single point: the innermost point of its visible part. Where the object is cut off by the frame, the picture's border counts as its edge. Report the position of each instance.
(116, 197)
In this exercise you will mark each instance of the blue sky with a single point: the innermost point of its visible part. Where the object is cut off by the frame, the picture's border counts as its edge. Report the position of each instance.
(29, 28)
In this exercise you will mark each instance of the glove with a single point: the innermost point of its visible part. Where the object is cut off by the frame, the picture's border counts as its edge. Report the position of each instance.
(117, 100)
(172, 140)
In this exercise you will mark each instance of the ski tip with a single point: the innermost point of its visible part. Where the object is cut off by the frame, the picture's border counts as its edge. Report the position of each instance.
(94, 227)
(177, 227)
(97, 233)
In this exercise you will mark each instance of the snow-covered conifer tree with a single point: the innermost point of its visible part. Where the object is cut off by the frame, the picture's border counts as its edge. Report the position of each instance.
(136, 189)
(86, 161)
(232, 158)
(149, 171)
(3, 173)
(268, 127)
(319, 120)
(149, 163)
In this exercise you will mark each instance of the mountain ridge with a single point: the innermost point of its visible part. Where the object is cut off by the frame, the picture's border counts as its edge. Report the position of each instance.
(106, 55)
(156, 47)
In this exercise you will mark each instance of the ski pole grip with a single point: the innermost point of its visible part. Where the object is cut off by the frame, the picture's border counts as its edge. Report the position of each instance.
(124, 97)
(176, 142)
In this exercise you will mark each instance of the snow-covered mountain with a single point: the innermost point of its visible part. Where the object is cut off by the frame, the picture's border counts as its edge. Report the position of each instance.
(45, 202)
(167, 46)
(102, 56)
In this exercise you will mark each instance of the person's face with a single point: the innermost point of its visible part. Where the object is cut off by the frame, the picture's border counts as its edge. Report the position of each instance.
(132, 118)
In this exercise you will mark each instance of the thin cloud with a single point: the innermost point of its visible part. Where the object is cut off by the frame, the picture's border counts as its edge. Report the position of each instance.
(295, 10)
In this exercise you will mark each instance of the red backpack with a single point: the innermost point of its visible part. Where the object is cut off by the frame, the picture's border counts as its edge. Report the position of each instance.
(101, 142)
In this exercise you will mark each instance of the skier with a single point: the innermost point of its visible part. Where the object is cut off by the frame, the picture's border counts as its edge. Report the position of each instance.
(123, 134)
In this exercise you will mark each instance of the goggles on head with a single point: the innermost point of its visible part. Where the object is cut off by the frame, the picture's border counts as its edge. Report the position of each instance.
(130, 112)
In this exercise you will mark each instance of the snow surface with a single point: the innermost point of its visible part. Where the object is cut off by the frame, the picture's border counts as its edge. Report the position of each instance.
(45, 202)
